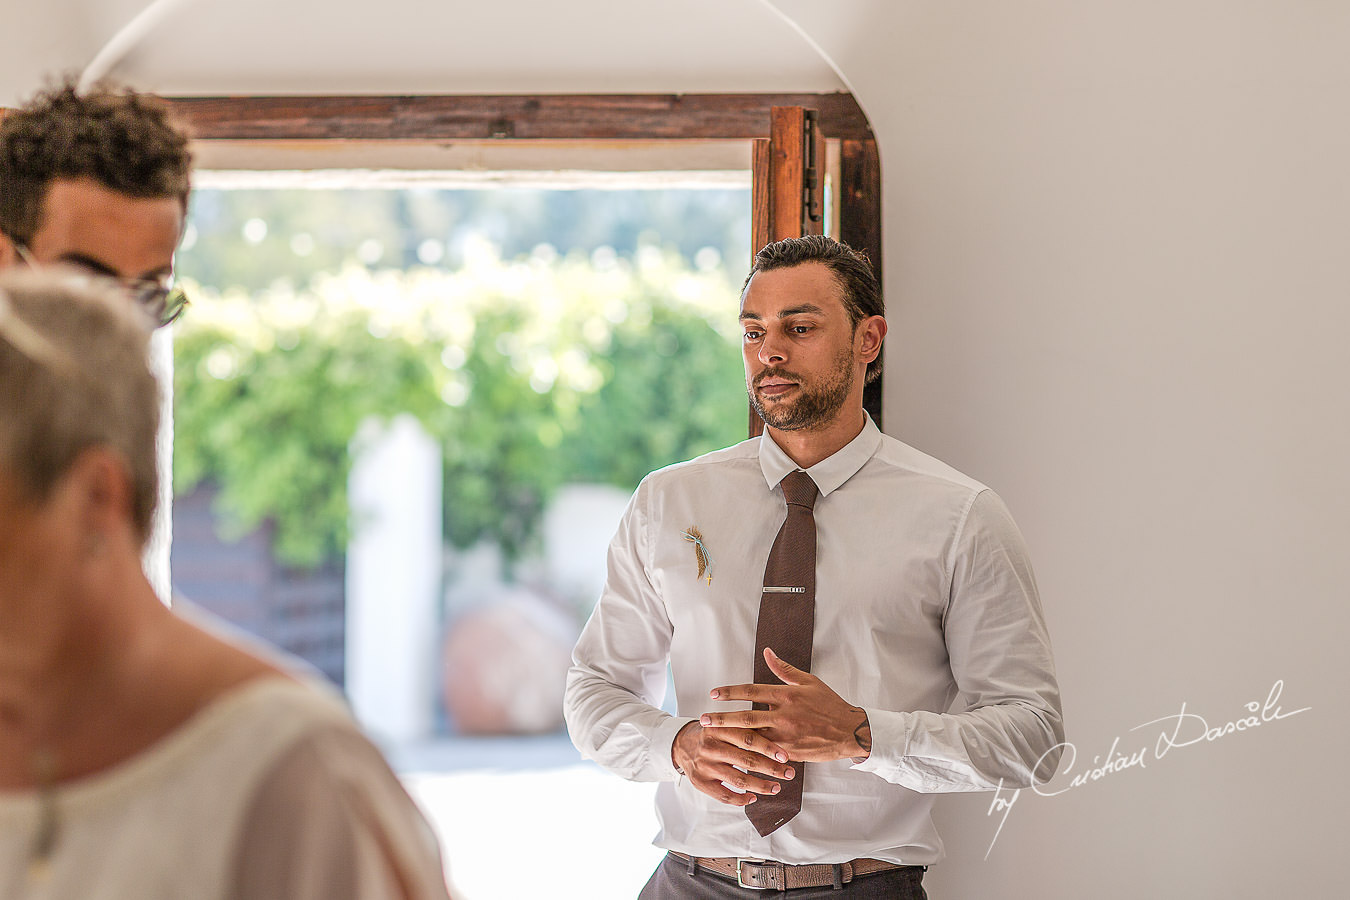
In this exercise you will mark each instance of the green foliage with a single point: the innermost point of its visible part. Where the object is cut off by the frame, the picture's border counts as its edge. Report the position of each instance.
(530, 373)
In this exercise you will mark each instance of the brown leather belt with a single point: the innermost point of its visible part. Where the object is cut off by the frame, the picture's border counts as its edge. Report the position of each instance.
(767, 875)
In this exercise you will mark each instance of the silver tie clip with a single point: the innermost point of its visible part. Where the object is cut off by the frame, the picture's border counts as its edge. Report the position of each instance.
(784, 590)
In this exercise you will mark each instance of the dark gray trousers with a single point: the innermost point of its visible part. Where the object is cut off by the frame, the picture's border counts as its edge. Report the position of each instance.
(672, 881)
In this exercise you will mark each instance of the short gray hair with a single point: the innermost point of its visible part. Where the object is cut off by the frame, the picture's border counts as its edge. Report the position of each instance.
(74, 374)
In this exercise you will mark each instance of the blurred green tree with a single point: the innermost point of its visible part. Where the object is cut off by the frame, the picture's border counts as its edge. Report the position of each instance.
(531, 373)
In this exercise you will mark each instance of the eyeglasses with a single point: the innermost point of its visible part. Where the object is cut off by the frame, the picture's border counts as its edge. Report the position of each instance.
(161, 299)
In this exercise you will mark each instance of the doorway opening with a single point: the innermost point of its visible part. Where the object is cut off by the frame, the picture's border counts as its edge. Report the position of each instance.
(552, 344)
(320, 145)
(550, 341)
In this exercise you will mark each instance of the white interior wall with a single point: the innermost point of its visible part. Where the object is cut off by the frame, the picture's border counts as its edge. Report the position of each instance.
(1117, 275)
(1115, 254)
(210, 47)
(41, 40)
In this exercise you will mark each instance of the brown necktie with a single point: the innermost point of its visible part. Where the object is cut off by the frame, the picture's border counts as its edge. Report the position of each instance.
(787, 621)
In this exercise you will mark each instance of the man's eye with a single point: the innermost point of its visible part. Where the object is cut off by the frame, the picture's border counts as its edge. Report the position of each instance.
(90, 268)
(753, 335)
(800, 329)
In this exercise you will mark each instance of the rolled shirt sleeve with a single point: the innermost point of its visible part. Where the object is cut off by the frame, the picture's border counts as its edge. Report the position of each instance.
(617, 681)
(1006, 726)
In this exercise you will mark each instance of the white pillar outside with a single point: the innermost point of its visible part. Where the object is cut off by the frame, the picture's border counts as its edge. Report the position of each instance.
(394, 578)
(155, 557)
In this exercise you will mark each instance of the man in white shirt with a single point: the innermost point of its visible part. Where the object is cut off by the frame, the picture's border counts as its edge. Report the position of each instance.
(931, 669)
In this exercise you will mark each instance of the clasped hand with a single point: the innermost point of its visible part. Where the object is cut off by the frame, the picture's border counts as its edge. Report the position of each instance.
(805, 721)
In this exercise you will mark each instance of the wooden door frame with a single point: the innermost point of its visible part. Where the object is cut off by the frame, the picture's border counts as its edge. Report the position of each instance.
(554, 117)
(475, 117)
(788, 200)
(563, 117)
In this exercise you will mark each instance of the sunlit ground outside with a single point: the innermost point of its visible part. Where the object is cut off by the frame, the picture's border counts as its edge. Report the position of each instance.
(527, 817)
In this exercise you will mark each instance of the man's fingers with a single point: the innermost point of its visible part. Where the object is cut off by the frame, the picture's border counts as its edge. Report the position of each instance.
(732, 785)
(723, 794)
(737, 718)
(738, 752)
(740, 729)
(755, 693)
(732, 691)
(785, 670)
(741, 780)
(753, 751)
(756, 741)
(731, 765)
(765, 693)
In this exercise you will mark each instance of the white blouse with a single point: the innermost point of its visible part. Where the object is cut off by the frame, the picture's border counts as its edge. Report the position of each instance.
(271, 791)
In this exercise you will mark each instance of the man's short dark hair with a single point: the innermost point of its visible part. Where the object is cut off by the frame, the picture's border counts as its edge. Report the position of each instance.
(122, 139)
(859, 288)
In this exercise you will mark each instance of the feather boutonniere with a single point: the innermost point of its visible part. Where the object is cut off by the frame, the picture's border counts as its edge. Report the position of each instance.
(701, 554)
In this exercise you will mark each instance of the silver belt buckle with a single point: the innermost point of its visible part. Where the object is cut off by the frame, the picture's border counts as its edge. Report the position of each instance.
(741, 861)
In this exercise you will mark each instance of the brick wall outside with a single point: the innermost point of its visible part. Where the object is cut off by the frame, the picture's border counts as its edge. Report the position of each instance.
(301, 612)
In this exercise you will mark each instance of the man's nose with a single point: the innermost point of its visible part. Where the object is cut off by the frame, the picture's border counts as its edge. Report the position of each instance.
(771, 350)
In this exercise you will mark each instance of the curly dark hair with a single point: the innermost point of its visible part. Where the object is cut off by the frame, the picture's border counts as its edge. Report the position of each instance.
(858, 286)
(123, 139)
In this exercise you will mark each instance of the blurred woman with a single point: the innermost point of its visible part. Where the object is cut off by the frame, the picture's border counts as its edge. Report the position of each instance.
(141, 756)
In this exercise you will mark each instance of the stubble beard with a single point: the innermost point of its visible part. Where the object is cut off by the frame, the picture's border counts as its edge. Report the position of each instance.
(815, 405)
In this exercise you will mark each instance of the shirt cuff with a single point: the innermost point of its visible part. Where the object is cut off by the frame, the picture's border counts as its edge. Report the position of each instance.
(662, 742)
(890, 737)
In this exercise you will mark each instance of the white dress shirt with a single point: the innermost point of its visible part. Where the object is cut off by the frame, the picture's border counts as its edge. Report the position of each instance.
(927, 617)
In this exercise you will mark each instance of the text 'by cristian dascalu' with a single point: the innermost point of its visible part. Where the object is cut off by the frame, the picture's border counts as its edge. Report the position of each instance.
(1182, 729)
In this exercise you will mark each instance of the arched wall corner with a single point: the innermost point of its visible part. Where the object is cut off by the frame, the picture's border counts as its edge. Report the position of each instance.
(508, 47)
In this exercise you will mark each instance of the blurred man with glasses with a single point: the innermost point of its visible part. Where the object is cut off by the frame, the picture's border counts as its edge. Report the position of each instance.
(98, 180)
(95, 180)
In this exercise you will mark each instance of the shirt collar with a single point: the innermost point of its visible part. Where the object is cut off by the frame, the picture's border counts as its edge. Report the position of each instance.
(830, 472)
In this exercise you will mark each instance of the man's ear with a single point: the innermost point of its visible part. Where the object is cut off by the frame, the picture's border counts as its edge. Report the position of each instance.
(871, 332)
(8, 255)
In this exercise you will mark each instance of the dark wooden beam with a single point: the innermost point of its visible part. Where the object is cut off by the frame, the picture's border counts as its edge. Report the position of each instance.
(860, 198)
(761, 229)
(860, 222)
(519, 117)
(761, 195)
(786, 171)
